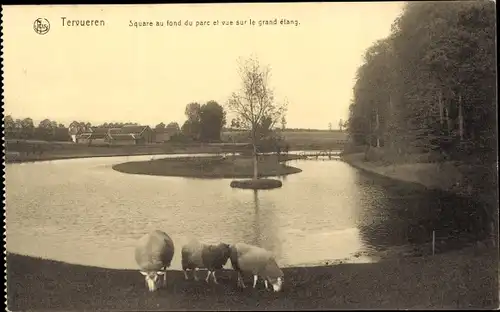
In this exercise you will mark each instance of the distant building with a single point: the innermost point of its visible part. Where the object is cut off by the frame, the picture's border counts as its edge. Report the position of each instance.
(162, 135)
(126, 135)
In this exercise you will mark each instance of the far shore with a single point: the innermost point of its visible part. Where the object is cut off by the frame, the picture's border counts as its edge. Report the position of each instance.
(47, 151)
(215, 167)
(95, 155)
(460, 279)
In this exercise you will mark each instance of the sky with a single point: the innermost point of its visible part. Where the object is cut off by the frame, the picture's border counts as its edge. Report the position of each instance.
(118, 73)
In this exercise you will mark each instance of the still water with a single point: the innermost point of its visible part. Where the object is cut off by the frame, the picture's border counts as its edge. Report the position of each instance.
(82, 211)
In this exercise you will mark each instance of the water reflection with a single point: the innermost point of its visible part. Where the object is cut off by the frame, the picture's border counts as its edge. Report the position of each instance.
(409, 215)
(256, 221)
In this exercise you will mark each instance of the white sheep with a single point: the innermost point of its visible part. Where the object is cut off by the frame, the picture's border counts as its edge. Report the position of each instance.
(153, 254)
(197, 255)
(247, 258)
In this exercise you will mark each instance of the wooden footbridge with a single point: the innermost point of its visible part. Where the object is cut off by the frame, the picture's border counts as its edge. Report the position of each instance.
(331, 154)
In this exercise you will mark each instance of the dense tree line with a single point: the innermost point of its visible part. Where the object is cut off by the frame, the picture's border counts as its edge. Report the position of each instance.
(430, 86)
(25, 129)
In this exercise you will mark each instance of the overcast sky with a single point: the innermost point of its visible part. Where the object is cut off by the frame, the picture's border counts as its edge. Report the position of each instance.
(118, 73)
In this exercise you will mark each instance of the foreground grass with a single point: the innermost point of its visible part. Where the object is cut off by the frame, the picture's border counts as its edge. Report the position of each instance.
(454, 280)
(209, 167)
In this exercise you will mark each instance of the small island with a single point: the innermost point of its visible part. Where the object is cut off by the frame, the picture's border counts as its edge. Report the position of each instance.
(213, 167)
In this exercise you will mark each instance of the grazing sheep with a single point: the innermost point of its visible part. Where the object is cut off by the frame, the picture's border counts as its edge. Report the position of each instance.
(154, 253)
(197, 255)
(247, 258)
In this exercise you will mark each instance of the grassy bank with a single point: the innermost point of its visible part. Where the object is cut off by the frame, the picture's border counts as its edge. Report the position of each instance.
(209, 167)
(454, 280)
(443, 176)
(448, 176)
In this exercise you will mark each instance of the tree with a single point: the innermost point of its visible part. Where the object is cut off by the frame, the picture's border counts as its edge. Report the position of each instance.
(46, 129)
(430, 86)
(45, 124)
(330, 126)
(192, 111)
(27, 128)
(212, 119)
(9, 125)
(283, 123)
(235, 123)
(191, 127)
(341, 124)
(8, 122)
(161, 125)
(255, 101)
(174, 127)
(79, 126)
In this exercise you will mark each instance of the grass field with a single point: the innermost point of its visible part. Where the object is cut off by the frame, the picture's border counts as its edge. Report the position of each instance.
(458, 280)
(302, 139)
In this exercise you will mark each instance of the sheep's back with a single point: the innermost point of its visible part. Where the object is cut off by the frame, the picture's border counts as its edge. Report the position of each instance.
(254, 261)
(213, 256)
(192, 253)
(154, 251)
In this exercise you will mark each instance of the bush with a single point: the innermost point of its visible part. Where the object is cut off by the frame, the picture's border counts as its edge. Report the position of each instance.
(180, 138)
(256, 184)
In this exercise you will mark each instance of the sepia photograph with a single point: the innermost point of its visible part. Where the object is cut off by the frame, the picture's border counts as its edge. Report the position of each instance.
(250, 156)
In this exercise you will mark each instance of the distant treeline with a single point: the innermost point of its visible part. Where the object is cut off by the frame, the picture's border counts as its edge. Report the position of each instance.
(47, 130)
(430, 86)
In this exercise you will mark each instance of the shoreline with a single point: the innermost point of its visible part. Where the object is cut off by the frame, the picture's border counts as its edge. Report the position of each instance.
(467, 280)
(95, 155)
(64, 157)
(442, 176)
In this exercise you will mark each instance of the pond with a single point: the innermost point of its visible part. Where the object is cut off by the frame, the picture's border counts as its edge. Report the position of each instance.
(82, 211)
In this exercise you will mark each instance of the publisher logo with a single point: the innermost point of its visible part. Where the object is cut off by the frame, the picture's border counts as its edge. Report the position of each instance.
(41, 26)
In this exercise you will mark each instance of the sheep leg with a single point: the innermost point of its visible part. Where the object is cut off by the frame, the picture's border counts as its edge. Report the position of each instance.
(164, 277)
(185, 274)
(208, 276)
(255, 277)
(215, 279)
(194, 274)
(240, 281)
(265, 283)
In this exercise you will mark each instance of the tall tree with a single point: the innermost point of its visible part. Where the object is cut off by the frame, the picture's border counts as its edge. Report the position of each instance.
(255, 101)
(192, 125)
(212, 119)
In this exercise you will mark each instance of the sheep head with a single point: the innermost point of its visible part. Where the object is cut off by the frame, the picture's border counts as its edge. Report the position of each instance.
(277, 283)
(152, 279)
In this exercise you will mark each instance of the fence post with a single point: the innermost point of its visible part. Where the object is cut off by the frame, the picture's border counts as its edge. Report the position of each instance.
(433, 241)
